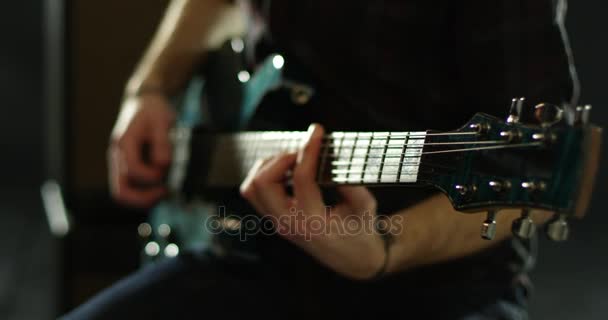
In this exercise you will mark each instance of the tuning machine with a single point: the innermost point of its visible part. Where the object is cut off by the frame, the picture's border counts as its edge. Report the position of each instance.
(480, 128)
(558, 229)
(524, 226)
(581, 115)
(488, 227)
(515, 110)
(465, 191)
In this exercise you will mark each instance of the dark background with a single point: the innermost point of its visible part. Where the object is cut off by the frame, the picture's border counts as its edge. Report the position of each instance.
(571, 282)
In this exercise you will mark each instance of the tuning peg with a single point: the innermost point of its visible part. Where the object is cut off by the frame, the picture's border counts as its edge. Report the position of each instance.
(465, 191)
(461, 189)
(480, 128)
(578, 114)
(585, 114)
(581, 115)
(558, 229)
(548, 114)
(524, 227)
(515, 110)
(532, 187)
(488, 228)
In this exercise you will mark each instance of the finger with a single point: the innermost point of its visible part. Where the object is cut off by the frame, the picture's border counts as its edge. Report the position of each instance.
(128, 195)
(306, 189)
(357, 198)
(247, 188)
(161, 145)
(131, 153)
(125, 193)
(270, 184)
(265, 185)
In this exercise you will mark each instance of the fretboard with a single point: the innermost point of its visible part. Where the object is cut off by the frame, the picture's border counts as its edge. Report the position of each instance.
(369, 158)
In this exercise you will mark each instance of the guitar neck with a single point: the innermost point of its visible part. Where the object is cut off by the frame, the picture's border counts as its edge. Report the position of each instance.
(362, 158)
(487, 163)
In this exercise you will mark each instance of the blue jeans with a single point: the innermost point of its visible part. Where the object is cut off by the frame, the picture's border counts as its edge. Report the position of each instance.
(199, 285)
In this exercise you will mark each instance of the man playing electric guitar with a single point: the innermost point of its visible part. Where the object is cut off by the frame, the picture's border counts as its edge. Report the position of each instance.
(376, 66)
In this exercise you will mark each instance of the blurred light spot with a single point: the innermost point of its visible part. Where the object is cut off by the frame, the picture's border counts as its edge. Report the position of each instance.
(244, 76)
(278, 61)
(164, 230)
(152, 249)
(144, 230)
(54, 207)
(171, 250)
(237, 45)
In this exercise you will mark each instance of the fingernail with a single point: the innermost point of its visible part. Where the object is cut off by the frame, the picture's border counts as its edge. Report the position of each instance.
(309, 133)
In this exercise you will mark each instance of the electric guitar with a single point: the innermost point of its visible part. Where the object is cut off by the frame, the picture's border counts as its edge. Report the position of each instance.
(488, 164)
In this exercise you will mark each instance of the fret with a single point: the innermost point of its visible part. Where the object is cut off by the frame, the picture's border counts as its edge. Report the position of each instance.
(374, 157)
(385, 141)
(365, 162)
(285, 142)
(345, 157)
(337, 141)
(359, 157)
(294, 145)
(410, 162)
(393, 157)
(275, 145)
(401, 157)
(325, 147)
(350, 141)
(263, 145)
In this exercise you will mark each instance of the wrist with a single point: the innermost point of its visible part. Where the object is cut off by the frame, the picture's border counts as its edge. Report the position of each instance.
(149, 86)
(146, 92)
(384, 231)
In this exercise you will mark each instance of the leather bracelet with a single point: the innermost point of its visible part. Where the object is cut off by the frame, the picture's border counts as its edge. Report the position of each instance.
(388, 239)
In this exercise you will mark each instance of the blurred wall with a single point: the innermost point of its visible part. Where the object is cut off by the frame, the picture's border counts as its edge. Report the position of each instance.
(107, 39)
(20, 94)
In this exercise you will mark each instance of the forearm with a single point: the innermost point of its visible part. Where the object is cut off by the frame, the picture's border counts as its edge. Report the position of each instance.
(179, 44)
(434, 232)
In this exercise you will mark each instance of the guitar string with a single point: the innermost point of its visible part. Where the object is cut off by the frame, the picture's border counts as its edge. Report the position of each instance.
(357, 142)
(363, 176)
(398, 164)
(397, 146)
(389, 145)
(360, 176)
(298, 141)
(278, 149)
(347, 135)
(363, 173)
(395, 155)
(422, 165)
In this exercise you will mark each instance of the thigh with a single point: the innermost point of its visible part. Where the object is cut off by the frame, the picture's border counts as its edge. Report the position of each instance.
(191, 286)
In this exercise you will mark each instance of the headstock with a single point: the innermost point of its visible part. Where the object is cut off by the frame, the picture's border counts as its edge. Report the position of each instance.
(546, 165)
